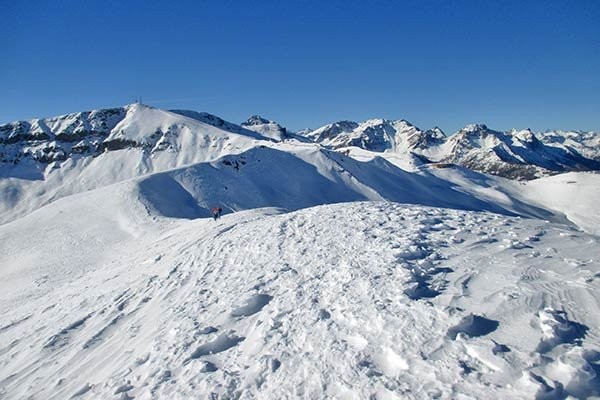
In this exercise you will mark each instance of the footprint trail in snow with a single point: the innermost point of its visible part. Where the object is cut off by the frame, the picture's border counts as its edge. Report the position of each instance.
(353, 301)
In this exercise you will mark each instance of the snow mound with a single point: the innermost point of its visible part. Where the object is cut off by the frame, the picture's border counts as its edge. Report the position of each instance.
(575, 194)
(557, 329)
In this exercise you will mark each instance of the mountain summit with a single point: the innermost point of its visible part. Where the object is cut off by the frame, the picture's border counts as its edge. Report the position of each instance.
(265, 127)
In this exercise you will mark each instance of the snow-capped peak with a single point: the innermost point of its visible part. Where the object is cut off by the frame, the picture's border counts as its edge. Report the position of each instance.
(519, 154)
(304, 132)
(474, 128)
(376, 134)
(266, 127)
(436, 132)
(256, 120)
(331, 130)
(524, 136)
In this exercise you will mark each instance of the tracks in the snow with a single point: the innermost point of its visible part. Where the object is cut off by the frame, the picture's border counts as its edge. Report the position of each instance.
(367, 299)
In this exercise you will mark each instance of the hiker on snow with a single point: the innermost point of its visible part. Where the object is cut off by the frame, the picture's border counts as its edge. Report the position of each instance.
(216, 213)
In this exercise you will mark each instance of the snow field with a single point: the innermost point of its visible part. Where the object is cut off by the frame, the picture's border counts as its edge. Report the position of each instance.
(358, 300)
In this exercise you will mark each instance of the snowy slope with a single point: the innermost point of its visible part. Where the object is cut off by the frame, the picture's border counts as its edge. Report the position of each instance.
(60, 239)
(143, 141)
(292, 177)
(360, 300)
(575, 194)
(218, 122)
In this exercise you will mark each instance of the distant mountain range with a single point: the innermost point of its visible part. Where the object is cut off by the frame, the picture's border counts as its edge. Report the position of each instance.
(517, 154)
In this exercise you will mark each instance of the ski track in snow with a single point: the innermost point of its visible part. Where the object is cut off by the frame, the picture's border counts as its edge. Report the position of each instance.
(360, 300)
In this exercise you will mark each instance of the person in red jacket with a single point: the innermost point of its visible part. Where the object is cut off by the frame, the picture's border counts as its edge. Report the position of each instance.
(216, 213)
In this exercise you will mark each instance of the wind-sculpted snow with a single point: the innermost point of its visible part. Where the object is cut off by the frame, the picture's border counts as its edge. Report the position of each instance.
(253, 305)
(473, 325)
(221, 343)
(557, 329)
(315, 303)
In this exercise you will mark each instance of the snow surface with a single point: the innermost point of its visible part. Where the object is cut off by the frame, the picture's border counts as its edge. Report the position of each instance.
(350, 273)
(356, 300)
(577, 195)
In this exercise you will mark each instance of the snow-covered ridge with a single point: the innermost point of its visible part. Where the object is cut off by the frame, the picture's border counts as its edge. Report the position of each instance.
(217, 122)
(517, 154)
(125, 143)
(53, 139)
(514, 154)
(242, 175)
(94, 132)
(376, 135)
(47, 159)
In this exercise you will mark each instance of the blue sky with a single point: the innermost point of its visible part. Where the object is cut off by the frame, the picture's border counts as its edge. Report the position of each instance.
(506, 63)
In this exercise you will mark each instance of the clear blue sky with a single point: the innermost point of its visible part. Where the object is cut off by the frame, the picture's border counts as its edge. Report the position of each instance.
(306, 63)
